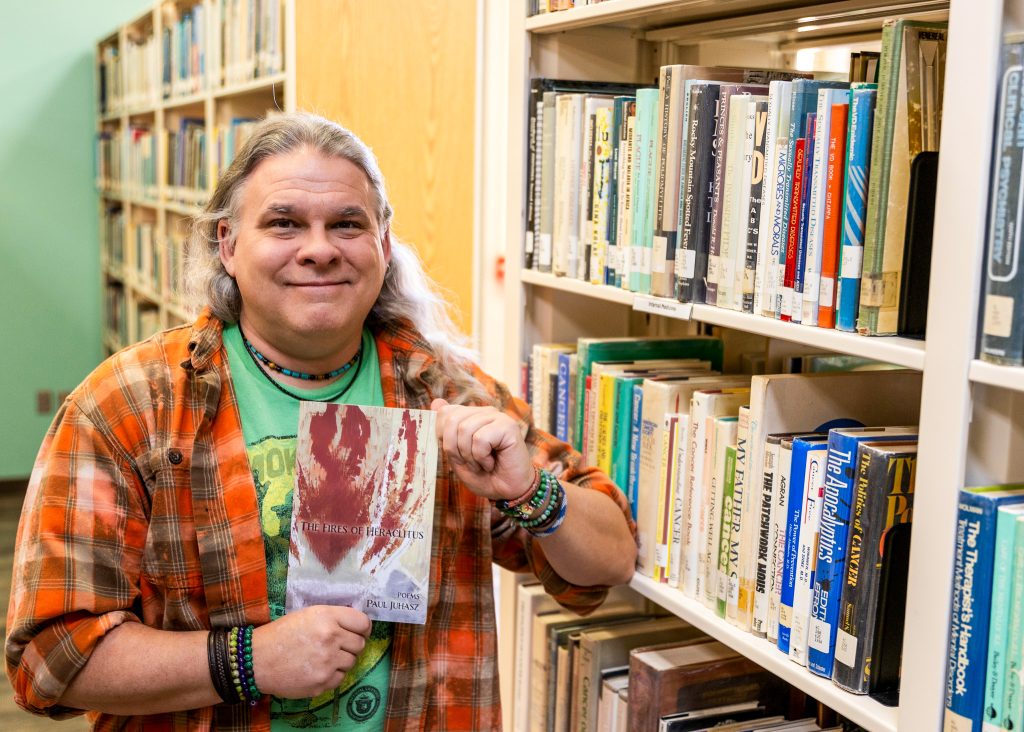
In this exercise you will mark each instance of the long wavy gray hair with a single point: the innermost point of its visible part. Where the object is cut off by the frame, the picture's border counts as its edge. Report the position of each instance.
(408, 297)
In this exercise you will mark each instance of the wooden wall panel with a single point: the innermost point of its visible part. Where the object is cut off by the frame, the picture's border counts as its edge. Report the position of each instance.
(401, 75)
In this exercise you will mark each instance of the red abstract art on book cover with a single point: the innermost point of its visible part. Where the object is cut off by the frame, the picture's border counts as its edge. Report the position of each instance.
(363, 510)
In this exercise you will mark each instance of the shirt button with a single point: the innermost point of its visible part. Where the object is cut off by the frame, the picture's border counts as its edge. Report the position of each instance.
(174, 455)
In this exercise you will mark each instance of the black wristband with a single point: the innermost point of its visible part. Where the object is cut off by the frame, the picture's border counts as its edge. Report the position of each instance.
(217, 657)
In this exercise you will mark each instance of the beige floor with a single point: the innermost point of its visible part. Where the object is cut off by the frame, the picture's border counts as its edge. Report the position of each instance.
(13, 719)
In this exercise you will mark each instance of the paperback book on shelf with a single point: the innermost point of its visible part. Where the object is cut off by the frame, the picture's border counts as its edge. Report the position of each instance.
(363, 510)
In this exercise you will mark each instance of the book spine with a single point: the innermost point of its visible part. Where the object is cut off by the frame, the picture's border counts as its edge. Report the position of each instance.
(534, 109)
(623, 431)
(605, 421)
(600, 203)
(855, 191)
(614, 203)
(562, 413)
(664, 234)
(666, 489)
(548, 163)
(722, 434)
(759, 619)
(731, 206)
(725, 531)
(816, 216)
(871, 285)
(802, 232)
(584, 204)
(830, 237)
(777, 541)
(1013, 714)
(884, 498)
(999, 618)
(717, 200)
(1002, 339)
(793, 510)
(810, 521)
(635, 428)
(739, 602)
(624, 235)
(679, 507)
(692, 203)
(681, 203)
(835, 522)
(752, 252)
(763, 284)
(692, 583)
(792, 231)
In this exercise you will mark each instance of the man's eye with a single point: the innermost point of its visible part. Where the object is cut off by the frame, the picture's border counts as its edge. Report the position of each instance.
(347, 225)
(282, 224)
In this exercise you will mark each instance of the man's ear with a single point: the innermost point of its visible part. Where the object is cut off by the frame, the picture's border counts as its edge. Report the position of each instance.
(226, 249)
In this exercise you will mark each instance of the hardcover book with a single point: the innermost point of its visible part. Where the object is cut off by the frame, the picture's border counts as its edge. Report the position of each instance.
(363, 510)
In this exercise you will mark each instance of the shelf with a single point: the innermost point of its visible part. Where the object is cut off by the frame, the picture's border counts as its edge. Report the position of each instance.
(144, 292)
(177, 311)
(112, 342)
(860, 709)
(670, 20)
(260, 84)
(899, 351)
(186, 100)
(1006, 377)
(182, 209)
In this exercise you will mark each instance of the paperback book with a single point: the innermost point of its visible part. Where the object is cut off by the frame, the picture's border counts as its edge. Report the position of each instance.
(363, 510)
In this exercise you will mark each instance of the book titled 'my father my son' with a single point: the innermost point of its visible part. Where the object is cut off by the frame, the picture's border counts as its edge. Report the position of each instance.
(363, 510)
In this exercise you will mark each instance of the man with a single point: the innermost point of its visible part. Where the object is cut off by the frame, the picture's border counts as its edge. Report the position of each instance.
(158, 508)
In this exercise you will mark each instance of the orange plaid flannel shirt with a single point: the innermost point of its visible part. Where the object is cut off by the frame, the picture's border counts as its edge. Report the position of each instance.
(141, 507)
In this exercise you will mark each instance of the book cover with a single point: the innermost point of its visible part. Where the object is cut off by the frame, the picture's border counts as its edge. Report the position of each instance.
(567, 150)
(972, 602)
(758, 131)
(1002, 333)
(844, 446)
(738, 602)
(772, 233)
(792, 230)
(673, 462)
(725, 531)
(883, 498)
(804, 218)
(531, 601)
(721, 434)
(624, 223)
(619, 132)
(600, 201)
(907, 117)
(644, 151)
(363, 510)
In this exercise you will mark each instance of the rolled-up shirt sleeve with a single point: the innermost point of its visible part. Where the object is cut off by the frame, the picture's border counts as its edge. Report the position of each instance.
(77, 559)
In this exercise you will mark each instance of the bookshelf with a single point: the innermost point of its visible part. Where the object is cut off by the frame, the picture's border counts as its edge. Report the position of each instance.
(970, 418)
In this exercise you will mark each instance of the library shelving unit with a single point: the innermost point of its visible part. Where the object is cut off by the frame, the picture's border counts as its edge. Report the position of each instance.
(177, 86)
(968, 430)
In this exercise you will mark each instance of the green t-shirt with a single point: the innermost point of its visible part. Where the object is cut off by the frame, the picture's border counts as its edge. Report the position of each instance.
(270, 421)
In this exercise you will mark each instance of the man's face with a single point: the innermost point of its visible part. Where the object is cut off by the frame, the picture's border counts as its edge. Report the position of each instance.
(308, 257)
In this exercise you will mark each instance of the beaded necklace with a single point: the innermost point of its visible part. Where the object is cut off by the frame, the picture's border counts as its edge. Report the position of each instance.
(261, 366)
(298, 374)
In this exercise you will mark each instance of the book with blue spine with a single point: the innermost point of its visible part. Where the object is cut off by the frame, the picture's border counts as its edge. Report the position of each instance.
(795, 500)
(807, 549)
(863, 97)
(971, 603)
(636, 417)
(830, 572)
(999, 618)
(562, 397)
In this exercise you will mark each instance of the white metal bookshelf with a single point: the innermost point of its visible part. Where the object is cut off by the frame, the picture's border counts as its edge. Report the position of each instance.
(626, 40)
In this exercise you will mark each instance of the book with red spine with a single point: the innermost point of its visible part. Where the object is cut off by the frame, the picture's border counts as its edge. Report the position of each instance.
(793, 236)
(833, 216)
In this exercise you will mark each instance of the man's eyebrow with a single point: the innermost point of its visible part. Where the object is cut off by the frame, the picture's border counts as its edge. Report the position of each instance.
(280, 208)
(351, 212)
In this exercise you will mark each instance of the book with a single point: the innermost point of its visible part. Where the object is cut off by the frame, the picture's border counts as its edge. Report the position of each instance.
(807, 548)
(833, 214)
(738, 605)
(883, 498)
(773, 229)
(363, 510)
(645, 147)
(1003, 577)
(863, 98)
(613, 681)
(907, 122)
(531, 601)
(887, 653)
(712, 717)
(722, 434)
(842, 460)
(668, 679)
(672, 465)
(757, 131)
(802, 479)
(971, 602)
(725, 539)
(917, 248)
(1002, 334)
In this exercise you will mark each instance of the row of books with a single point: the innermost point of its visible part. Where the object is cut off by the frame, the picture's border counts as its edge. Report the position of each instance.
(747, 189)
(1002, 338)
(108, 158)
(984, 683)
(628, 668)
(115, 310)
(699, 456)
(141, 174)
(186, 156)
(228, 140)
(147, 321)
(147, 262)
(174, 249)
(212, 44)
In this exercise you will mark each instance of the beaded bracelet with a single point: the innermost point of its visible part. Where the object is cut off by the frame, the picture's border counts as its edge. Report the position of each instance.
(534, 485)
(538, 500)
(557, 499)
(240, 656)
(549, 530)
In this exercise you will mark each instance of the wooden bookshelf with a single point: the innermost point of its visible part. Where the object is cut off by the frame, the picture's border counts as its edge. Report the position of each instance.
(627, 40)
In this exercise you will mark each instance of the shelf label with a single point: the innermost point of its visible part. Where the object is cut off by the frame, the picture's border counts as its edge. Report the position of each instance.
(663, 306)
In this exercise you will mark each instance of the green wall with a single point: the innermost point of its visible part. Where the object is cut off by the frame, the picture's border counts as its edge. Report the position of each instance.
(49, 243)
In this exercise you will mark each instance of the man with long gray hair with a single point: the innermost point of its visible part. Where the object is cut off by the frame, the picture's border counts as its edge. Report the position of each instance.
(151, 561)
